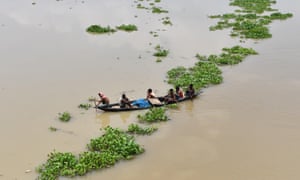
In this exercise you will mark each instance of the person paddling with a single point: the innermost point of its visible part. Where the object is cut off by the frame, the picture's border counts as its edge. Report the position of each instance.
(103, 99)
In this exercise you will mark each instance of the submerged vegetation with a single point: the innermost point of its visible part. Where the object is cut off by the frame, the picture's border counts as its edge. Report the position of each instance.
(251, 20)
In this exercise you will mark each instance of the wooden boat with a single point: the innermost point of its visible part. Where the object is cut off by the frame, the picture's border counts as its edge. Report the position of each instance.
(142, 103)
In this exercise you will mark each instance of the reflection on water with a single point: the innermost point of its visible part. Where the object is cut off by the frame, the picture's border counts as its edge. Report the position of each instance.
(103, 119)
(124, 116)
(189, 106)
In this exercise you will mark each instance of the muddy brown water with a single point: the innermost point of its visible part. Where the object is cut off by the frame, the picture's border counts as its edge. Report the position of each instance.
(246, 128)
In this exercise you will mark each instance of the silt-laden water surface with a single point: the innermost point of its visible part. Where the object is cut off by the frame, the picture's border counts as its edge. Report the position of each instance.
(246, 128)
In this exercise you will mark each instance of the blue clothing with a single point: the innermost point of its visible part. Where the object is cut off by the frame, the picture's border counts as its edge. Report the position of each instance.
(142, 103)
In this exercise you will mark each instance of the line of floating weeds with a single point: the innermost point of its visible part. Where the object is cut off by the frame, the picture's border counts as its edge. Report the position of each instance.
(116, 144)
(102, 152)
(250, 20)
(98, 29)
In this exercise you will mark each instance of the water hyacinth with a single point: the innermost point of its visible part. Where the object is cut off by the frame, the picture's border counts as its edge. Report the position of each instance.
(200, 75)
(137, 129)
(155, 114)
(104, 152)
(250, 20)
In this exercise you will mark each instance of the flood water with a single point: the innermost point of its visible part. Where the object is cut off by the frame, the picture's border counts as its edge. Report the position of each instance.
(247, 128)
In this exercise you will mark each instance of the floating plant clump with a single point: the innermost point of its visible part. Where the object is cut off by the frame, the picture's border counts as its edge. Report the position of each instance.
(100, 30)
(137, 129)
(65, 116)
(85, 106)
(158, 10)
(155, 114)
(104, 152)
(166, 21)
(229, 56)
(160, 52)
(128, 27)
(116, 142)
(251, 20)
(200, 75)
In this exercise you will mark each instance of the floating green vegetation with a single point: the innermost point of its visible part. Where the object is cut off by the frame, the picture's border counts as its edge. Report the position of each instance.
(154, 34)
(106, 150)
(206, 71)
(85, 106)
(158, 60)
(137, 129)
(160, 52)
(140, 6)
(255, 6)
(280, 16)
(65, 116)
(229, 56)
(91, 99)
(99, 29)
(200, 75)
(166, 21)
(172, 106)
(247, 22)
(117, 143)
(128, 27)
(67, 164)
(158, 10)
(53, 129)
(151, 6)
(155, 114)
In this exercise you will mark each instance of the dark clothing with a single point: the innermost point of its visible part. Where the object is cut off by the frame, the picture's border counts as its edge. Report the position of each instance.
(171, 97)
(124, 102)
(190, 92)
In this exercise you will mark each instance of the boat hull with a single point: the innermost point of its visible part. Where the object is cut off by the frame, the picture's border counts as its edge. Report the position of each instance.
(115, 107)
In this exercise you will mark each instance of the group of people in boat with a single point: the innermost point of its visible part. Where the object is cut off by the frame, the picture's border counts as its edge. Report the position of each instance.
(171, 97)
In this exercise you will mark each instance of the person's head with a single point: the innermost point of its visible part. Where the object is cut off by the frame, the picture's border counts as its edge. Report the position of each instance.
(191, 85)
(149, 90)
(123, 95)
(171, 91)
(101, 94)
(177, 88)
